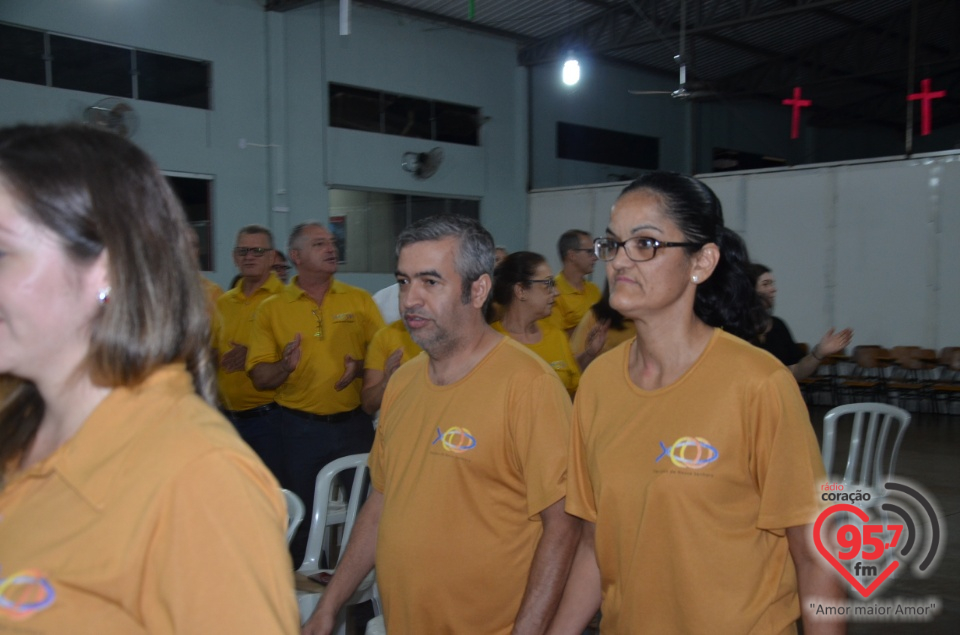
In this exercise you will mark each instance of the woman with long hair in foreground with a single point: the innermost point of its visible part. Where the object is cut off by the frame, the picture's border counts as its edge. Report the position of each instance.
(128, 503)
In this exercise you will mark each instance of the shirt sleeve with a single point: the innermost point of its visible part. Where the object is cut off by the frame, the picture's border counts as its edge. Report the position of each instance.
(787, 464)
(218, 560)
(372, 320)
(540, 415)
(573, 365)
(262, 347)
(580, 500)
(376, 358)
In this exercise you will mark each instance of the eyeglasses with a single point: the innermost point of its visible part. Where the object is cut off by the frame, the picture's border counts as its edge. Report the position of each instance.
(588, 250)
(638, 249)
(549, 283)
(319, 315)
(280, 268)
(256, 251)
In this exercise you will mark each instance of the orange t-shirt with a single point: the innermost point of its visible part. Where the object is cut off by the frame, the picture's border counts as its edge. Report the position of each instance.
(465, 470)
(692, 487)
(154, 518)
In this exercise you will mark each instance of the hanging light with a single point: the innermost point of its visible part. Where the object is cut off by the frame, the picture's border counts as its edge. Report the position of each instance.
(571, 70)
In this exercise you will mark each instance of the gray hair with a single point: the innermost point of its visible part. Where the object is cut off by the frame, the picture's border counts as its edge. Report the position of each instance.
(298, 230)
(255, 229)
(475, 255)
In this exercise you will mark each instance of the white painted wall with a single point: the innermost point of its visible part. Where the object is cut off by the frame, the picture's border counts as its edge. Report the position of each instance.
(870, 245)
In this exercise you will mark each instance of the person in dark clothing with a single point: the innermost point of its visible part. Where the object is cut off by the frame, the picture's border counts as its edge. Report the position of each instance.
(776, 338)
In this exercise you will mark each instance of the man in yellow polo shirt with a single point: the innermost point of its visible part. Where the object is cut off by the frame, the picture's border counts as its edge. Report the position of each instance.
(308, 344)
(465, 522)
(252, 412)
(577, 294)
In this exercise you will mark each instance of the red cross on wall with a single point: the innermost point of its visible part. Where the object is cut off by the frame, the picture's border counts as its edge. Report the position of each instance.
(925, 96)
(797, 104)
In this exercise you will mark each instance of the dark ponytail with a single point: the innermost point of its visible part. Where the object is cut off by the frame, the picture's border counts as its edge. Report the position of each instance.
(727, 299)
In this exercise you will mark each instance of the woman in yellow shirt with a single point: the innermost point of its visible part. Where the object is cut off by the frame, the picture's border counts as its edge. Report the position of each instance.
(129, 503)
(524, 288)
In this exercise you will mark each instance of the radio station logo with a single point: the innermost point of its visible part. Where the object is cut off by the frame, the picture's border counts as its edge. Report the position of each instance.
(867, 538)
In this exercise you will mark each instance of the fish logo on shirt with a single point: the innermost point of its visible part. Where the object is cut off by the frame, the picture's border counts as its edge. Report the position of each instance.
(24, 593)
(689, 452)
(456, 439)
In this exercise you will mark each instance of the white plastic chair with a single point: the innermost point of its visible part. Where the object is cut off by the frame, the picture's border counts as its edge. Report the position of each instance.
(869, 465)
(295, 512)
(326, 507)
(376, 626)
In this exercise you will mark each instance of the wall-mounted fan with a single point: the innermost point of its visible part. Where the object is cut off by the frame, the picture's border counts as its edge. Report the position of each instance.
(112, 114)
(422, 165)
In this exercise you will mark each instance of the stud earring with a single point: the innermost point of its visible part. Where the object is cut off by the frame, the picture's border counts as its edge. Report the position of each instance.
(695, 279)
(104, 296)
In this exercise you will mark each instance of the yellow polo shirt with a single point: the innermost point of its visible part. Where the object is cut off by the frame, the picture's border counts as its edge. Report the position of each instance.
(234, 323)
(343, 324)
(571, 304)
(386, 341)
(154, 518)
(554, 349)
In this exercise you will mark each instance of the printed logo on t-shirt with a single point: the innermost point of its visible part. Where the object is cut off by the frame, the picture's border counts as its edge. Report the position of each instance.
(343, 317)
(692, 453)
(558, 365)
(24, 593)
(456, 440)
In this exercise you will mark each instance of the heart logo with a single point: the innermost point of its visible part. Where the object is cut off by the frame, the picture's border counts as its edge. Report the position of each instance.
(818, 540)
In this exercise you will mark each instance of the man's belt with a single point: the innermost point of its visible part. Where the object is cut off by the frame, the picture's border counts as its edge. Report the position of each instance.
(336, 417)
(253, 412)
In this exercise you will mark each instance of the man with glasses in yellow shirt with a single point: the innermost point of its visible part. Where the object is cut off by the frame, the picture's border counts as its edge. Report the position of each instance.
(252, 412)
(577, 294)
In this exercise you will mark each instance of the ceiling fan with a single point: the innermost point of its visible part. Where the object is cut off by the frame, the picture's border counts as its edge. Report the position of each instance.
(684, 91)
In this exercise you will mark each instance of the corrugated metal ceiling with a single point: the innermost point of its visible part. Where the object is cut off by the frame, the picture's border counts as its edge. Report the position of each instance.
(849, 50)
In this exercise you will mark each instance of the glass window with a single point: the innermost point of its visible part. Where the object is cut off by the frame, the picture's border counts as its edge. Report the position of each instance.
(173, 80)
(91, 67)
(608, 147)
(407, 116)
(457, 124)
(402, 115)
(369, 222)
(21, 55)
(195, 194)
(355, 108)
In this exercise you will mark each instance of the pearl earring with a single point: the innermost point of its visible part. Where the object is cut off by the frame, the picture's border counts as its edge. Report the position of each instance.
(104, 296)
(695, 279)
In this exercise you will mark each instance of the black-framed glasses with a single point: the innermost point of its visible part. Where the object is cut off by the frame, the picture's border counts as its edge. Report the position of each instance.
(549, 283)
(256, 251)
(319, 315)
(638, 248)
(281, 268)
